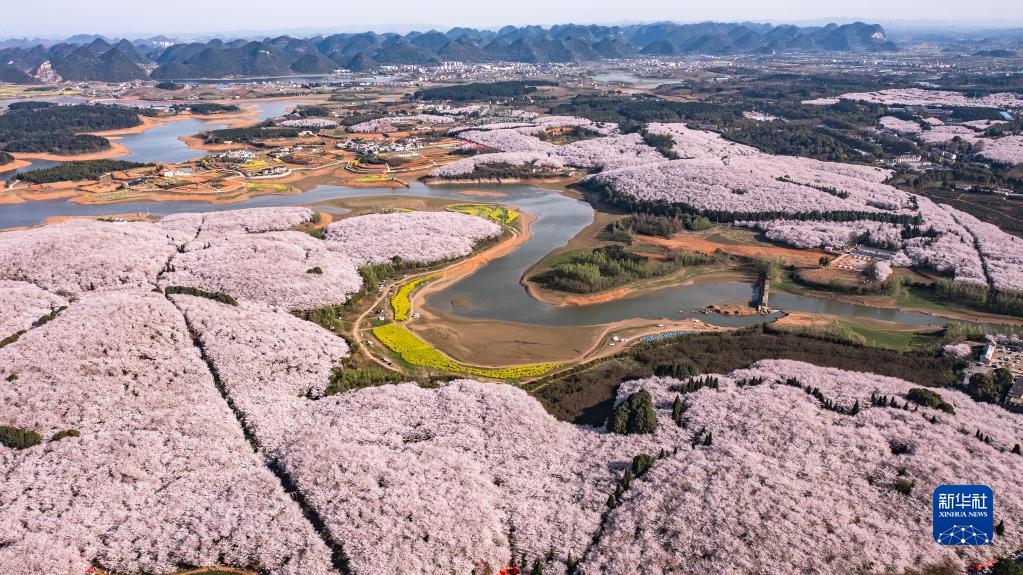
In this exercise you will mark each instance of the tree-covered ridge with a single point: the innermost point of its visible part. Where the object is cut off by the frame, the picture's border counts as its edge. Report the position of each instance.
(61, 143)
(39, 127)
(636, 110)
(481, 90)
(654, 225)
(603, 269)
(248, 135)
(842, 132)
(78, 118)
(98, 60)
(76, 171)
(206, 108)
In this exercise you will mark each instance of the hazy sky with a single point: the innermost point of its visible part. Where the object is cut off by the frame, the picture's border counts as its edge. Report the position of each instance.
(59, 18)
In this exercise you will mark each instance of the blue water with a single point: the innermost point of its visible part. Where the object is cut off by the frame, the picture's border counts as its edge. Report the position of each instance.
(162, 144)
(34, 165)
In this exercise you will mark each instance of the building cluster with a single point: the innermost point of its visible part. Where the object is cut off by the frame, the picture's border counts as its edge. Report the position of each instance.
(234, 156)
(260, 169)
(250, 165)
(315, 123)
(403, 147)
(1007, 355)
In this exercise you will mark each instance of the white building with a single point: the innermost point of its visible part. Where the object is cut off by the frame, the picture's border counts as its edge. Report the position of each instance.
(988, 355)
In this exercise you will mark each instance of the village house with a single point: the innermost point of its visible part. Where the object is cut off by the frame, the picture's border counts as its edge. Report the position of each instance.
(238, 155)
(988, 355)
(1015, 397)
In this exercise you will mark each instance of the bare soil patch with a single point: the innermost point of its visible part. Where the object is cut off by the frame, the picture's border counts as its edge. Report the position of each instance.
(735, 242)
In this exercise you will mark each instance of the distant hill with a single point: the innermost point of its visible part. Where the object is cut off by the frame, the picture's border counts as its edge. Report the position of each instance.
(996, 53)
(97, 58)
(131, 52)
(11, 75)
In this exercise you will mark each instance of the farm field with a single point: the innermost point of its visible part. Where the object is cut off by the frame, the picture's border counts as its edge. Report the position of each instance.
(400, 301)
(418, 353)
(499, 214)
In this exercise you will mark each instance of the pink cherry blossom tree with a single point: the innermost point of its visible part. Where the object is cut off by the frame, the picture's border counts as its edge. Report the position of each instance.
(413, 236)
(160, 474)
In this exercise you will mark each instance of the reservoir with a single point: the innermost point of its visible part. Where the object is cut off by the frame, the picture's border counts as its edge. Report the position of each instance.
(162, 144)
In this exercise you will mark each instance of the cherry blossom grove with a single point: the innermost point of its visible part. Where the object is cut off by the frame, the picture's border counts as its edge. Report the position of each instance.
(820, 234)
(821, 101)
(952, 251)
(78, 256)
(754, 183)
(466, 110)
(246, 220)
(521, 139)
(1002, 252)
(489, 127)
(957, 350)
(22, 304)
(1007, 150)
(269, 362)
(272, 268)
(391, 124)
(882, 271)
(562, 121)
(467, 166)
(922, 97)
(413, 236)
(412, 480)
(235, 252)
(609, 151)
(940, 134)
(159, 475)
(716, 175)
(85, 255)
(789, 486)
(603, 128)
(899, 125)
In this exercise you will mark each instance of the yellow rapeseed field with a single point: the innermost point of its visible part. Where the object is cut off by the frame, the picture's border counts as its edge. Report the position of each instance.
(499, 214)
(401, 301)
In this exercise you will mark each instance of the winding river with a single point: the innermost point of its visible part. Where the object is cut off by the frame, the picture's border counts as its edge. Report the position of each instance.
(493, 292)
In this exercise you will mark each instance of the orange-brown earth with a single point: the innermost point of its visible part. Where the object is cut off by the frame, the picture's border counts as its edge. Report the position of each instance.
(705, 243)
(16, 164)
